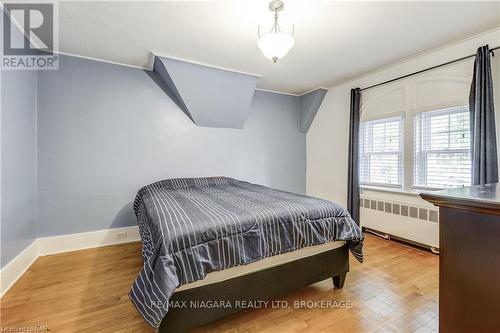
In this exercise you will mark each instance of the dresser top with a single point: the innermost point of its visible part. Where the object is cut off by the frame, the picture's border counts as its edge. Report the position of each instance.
(483, 198)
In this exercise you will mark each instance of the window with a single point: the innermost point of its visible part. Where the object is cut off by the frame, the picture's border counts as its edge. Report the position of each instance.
(442, 148)
(381, 152)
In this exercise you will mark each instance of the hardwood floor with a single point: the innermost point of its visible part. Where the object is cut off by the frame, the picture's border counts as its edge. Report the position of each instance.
(394, 290)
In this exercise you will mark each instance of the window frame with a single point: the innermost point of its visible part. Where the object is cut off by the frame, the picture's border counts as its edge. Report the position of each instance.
(400, 153)
(424, 153)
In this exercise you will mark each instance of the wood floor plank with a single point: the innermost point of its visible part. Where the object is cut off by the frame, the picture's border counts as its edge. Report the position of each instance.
(394, 290)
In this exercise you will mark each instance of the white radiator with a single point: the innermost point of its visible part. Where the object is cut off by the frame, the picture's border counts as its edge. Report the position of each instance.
(402, 216)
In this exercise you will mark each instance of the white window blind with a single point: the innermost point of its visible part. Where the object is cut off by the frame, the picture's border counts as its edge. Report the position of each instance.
(381, 152)
(442, 148)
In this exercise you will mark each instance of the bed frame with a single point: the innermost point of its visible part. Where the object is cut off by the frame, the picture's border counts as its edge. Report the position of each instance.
(262, 285)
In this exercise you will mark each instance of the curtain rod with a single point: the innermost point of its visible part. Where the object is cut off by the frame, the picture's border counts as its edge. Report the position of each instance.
(425, 70)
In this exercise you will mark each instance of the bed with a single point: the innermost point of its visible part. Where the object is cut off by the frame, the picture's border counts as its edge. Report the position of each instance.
(210, 245)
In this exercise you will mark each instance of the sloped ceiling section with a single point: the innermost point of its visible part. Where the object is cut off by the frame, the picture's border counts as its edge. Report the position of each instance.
(169, 86)
(211, 97)
(309, 106)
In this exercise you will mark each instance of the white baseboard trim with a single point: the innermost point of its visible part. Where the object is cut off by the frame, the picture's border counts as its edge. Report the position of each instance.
(59, 244)
(11, 272)
(86, 240)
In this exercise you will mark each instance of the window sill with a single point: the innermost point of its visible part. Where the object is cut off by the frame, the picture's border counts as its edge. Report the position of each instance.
(415, 192)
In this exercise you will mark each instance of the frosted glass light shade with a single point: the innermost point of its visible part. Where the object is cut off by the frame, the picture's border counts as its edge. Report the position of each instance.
(275, 45)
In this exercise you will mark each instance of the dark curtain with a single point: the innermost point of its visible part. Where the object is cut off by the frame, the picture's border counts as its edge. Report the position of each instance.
(482, 121)
(353, 167)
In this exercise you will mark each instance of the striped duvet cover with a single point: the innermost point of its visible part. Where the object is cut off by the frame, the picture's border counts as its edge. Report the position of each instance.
(193, 226)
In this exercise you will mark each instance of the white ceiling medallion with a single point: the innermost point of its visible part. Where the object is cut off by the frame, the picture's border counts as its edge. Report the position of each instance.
(275, 44)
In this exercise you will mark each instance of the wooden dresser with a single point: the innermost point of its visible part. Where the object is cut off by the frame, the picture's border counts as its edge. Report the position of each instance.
(469, 259)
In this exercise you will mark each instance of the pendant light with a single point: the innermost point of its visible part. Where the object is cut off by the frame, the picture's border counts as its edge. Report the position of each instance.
(275, 44)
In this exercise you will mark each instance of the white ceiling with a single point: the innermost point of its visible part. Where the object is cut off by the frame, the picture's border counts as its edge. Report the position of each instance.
(334, 40)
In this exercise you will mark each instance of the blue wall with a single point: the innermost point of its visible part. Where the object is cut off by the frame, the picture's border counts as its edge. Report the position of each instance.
(18, 159)
(104, 131)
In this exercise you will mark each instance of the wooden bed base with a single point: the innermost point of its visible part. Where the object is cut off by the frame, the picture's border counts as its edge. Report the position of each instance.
(262, 285)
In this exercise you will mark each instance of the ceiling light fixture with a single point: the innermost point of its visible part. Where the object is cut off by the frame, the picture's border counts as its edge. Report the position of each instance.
(275, 44)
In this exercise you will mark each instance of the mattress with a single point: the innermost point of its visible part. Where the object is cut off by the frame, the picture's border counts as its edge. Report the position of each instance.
(196, 228)
(260, 265)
